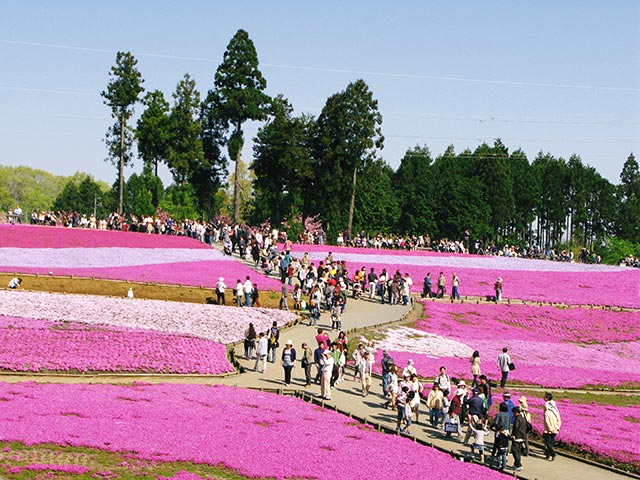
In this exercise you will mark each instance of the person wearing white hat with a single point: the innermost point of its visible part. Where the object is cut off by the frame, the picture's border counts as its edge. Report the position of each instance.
(288, 361)
(220, 289)
(498, 289)
(326, 363)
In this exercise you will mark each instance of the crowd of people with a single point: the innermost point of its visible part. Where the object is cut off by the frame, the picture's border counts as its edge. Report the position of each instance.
(452, 407)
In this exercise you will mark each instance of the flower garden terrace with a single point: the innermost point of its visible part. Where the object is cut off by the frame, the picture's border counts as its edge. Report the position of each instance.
(98, 319)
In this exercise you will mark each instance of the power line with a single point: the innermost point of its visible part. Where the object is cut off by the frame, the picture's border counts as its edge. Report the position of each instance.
(340, 70)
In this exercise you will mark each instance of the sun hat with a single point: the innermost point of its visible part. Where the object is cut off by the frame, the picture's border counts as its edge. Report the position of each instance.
(461, 384)
(327, 352)
(523, 400)
(289, 342)
(221, 279)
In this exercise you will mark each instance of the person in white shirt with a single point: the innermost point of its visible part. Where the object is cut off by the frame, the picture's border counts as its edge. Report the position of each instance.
(261, 353)
(15, 283)
(239, 293)
(220, 289)
(366, 370)
(326, 363)
(409, 369)
(248, 288)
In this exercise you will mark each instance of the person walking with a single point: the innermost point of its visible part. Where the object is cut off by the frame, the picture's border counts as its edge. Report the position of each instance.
(327, 371)
(504, 362)
(288, 361)
(283, 297)
(442, 285)
(274, 337)
(248, 288)
(475, 367)
(306, 362)
(498, 289)
(524, 408)
(366, 371)
(220, 289)
(552, 424)
(261, 353)
(518, 435)
(386, 362)
(455, 283)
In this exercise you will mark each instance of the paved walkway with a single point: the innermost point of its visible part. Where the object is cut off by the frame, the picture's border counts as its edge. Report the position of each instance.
(348, 398)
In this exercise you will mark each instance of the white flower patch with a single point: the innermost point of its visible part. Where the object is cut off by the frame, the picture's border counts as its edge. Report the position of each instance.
(405, 339)
(102, 257)
(212, 322)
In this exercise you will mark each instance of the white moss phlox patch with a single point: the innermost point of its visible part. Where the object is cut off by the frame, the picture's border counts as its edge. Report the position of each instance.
(407, 339)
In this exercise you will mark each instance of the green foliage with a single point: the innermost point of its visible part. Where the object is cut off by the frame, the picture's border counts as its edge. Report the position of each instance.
(628, 193)
(143, 193)
(283, 164)
(616, 250)
(348, 136)
(83, 197)
(180, 202)
(412, 185)
(238, 96)
(33, 189)
(123, 90)
(185, 148)
(153, 130)
(376, 205)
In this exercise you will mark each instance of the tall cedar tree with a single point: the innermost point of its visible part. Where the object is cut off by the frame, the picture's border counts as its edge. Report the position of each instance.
(153, 130)
(413, 189)
(185, 149)
(283, 164)
(238, 96)
(348, 137)
(628, 222)
(122, 93)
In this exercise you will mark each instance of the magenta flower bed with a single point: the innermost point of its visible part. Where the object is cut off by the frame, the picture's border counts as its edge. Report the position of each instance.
(211, 322)
(31, 345)
(256, 433)
(534, 280)
(551, 347)
(195, 274)
(29, 236)
(116, 255)
(607, 430)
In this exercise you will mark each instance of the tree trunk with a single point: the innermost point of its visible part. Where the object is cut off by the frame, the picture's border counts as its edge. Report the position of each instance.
(121, 167)
(236, 190)
(353, 200)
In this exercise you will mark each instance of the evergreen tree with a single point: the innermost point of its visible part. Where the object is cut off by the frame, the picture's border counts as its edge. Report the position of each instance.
(413, 190)
(348, 136)
(185, 148)
(123, 90)
(376, 205)
(628, 219)
(283, 164)
(238, 96)
(154, 131)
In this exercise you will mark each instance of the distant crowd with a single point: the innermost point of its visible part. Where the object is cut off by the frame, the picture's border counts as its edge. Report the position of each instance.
(213, 232)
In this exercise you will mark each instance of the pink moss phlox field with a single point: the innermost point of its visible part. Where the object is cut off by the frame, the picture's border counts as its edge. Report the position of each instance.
(212, 322)
(256, 433)
(28, 236)
(195, 274)
(606, 430)
(565, 348)
(113, 255)
(31, 345)
(532, 280)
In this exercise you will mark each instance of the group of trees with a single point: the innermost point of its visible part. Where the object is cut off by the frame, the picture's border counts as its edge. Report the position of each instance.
(188, 136)
(330, 166)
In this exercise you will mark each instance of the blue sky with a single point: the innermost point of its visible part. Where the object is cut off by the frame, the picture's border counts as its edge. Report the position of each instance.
(561, 77)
